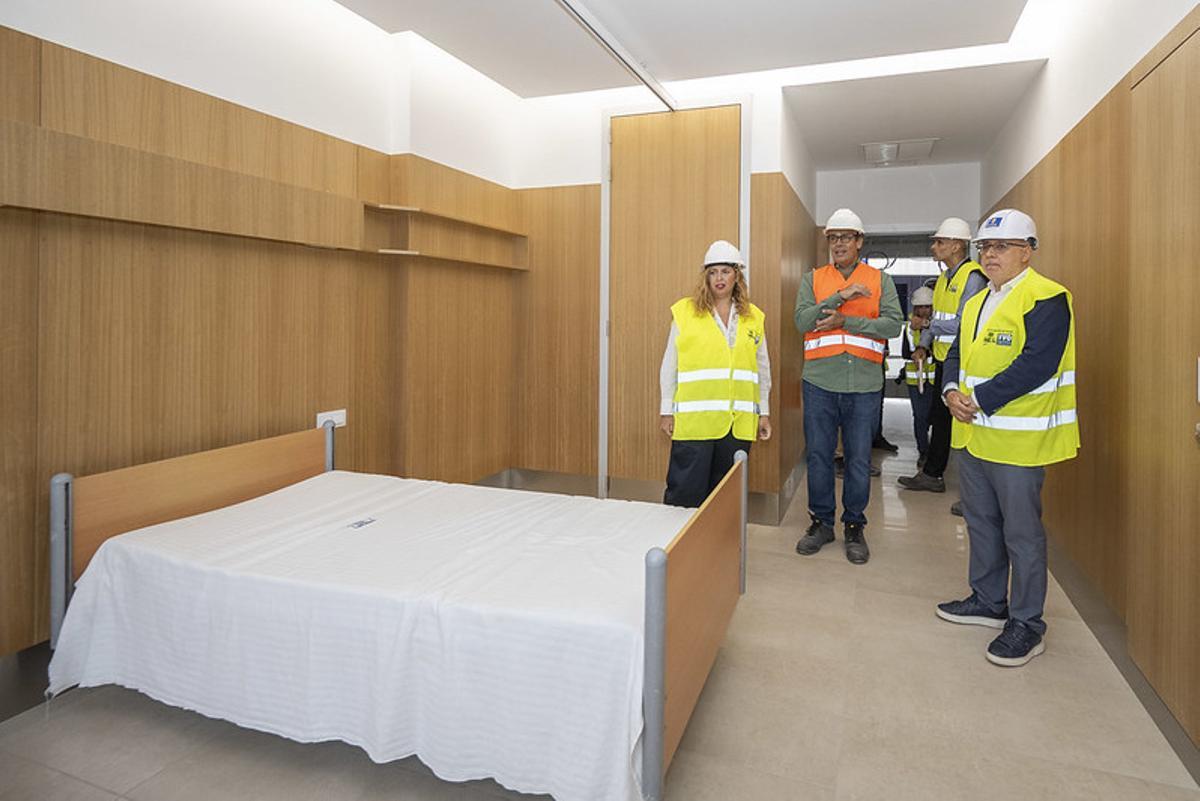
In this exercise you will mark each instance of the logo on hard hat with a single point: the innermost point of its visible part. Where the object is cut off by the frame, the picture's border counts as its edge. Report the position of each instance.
(994, 222)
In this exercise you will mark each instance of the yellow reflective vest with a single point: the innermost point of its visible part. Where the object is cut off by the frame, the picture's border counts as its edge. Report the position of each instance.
(716, 386)
(946, 296)
(1041, 426)
(912, 375)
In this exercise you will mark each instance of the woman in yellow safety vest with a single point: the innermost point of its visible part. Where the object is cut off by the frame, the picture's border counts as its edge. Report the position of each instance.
(715, 378)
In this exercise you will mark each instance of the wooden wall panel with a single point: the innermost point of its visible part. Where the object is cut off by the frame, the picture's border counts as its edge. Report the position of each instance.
(687, 162)
(96, 99)
(559, 313)
(46, 170)
(1079, 197)
(430, 186)
(21, 548)
(374, 175)
(154, 343)
(766, 255)
(456, 406)
(799, 235)
(1163, 440)
(20, 70)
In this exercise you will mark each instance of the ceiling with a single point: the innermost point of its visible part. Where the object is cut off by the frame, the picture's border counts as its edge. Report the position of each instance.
(534, 48)
(965, 108)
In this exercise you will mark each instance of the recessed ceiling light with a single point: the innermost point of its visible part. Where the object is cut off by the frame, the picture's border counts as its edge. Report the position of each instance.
(885, 154)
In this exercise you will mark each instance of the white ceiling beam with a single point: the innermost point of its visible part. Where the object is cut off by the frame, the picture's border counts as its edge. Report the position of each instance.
(587, 20)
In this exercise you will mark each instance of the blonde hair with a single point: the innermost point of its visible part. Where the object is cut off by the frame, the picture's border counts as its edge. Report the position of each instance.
(702, 299)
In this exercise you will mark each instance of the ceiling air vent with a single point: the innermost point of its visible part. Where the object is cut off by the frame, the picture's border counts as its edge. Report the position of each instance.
(904, 151)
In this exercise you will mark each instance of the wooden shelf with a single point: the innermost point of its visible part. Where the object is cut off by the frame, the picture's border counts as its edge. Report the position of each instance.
(390, 207)
(456, 259)
(395, 230)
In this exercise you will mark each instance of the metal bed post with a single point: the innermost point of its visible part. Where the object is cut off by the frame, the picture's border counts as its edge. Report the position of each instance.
(654, 675)
(742, 456)
(61, 554)
(328, 425)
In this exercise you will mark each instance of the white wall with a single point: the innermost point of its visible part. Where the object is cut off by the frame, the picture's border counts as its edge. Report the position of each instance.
(1090, 44)
(796, 162)
(459, 117)
(901, 199)
(311, 62)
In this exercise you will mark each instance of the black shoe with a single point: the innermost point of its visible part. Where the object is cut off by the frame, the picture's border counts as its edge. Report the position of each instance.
(923, 482)
(818, 535)
(856, 544)
(839, 466)
(956, 509)
(1015, 646)
(873, 471)
(972, 612)
(881, 444)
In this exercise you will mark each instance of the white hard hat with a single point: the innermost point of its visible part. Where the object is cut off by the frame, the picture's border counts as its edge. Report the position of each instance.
(844, 220)
(722, 252)
(1008, 224)
(922, 296)
(953, 228)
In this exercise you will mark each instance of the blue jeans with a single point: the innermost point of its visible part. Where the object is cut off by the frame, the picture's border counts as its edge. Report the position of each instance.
(825, 413)
(921, 405)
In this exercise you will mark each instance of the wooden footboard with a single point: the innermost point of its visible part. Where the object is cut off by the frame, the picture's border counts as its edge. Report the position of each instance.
(692, 588)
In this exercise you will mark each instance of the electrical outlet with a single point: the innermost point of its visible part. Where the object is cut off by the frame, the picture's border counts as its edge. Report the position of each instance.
(338, 416)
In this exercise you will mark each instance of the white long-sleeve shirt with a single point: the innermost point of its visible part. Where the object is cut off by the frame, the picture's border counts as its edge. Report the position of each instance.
(668, 373)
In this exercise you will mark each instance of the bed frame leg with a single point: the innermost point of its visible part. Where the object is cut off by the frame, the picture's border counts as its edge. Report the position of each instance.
(60, 552)
(742, 456)
(654, 678)
(328, 425)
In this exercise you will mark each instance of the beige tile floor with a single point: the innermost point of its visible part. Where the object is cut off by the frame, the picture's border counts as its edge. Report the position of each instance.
(835, 682)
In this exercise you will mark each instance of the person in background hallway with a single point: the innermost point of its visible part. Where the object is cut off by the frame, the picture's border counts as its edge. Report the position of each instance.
(847, 310)
(919, 394)
(961, 280)
(715, 378)
(878, 441)
(1010, 385)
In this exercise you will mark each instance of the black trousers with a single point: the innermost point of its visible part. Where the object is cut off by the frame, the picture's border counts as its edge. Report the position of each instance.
(938, 455)
(697, 467)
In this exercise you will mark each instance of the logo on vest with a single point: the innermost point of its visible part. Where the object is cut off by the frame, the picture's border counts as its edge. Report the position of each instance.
(755, 336)
(1002, 338)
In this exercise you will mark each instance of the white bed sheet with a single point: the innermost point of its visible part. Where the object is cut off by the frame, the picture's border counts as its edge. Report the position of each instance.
(491, 632)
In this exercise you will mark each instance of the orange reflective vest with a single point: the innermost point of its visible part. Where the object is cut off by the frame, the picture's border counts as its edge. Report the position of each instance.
(823, 344)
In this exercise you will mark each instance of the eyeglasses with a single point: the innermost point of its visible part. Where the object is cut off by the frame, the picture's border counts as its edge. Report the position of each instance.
(999, 247)
(836, 238)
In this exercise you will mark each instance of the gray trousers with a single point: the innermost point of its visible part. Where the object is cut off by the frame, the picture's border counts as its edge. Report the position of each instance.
(1002, 504)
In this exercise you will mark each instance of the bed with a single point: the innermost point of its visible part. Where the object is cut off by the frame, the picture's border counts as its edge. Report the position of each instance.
(557, 644)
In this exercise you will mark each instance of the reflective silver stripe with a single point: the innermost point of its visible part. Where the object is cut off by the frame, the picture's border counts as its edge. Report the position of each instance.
(864, 343)
(1065, 380)
(844, 339)
(937, 315)
(823, 342)
(746, 375)
(946, 338)
(703, 375)
(683, 407)
(1006, 423)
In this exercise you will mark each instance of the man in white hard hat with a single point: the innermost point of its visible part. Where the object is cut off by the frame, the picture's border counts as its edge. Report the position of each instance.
(715, 378)
(1010, 385)
(847, 311)
(959, 282)
(919, 373)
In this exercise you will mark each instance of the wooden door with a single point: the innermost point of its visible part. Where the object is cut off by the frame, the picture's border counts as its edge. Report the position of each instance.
(676, 180)
(1164, 492)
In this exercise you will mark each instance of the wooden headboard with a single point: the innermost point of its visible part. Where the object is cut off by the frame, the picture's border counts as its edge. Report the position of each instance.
(107, 504)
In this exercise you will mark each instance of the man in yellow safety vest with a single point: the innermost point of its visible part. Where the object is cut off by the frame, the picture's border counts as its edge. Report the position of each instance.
(1010, 386)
